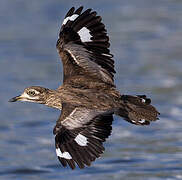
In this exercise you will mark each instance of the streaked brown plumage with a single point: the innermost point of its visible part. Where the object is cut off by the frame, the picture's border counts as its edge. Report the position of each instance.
(88, 97)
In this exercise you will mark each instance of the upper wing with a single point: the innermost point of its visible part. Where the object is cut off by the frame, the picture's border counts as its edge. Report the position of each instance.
(80, 135)
(83, 45)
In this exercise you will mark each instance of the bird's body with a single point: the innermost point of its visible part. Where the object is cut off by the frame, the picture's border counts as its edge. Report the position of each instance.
(88, 97)
(102, 99)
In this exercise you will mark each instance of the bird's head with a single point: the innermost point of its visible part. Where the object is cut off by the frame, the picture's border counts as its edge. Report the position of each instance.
(32, 94)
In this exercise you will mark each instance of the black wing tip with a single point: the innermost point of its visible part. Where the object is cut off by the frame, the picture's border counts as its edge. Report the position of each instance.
(73, 10)
(78, 152)
(79, 10)
(70, 12)
(80, 155)
(88, 20)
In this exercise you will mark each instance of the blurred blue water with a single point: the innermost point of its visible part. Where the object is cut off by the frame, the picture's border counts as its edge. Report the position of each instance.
(146, 39)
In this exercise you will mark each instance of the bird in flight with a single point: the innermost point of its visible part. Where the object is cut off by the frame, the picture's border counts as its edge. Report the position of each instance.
(88, 98)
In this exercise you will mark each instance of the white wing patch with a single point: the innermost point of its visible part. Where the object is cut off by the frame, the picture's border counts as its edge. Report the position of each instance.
(141, 121)
(84, 34)
(71, 18)
(108, 55)
(65, 155)
(143, 100)
(81, 140)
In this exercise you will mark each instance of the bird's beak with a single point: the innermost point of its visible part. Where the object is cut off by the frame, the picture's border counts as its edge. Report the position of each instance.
(17, 98)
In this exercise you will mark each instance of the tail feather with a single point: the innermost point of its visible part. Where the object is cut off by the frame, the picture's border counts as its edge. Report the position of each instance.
(138, 110)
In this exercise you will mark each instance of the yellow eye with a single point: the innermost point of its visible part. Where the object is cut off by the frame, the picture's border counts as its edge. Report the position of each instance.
(31, 93)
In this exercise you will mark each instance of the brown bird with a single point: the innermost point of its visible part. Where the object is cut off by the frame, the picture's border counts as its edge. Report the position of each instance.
(88, 97)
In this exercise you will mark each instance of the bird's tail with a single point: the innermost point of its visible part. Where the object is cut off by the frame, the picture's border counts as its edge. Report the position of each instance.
(137, 110)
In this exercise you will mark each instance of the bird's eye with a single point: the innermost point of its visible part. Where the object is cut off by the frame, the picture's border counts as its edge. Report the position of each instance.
(31, 93)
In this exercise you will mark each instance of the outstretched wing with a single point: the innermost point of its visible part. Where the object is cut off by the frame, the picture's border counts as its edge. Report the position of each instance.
(83, 45)
(79, 135)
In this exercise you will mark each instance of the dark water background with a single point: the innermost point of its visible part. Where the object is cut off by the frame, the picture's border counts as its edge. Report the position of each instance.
(146, 38)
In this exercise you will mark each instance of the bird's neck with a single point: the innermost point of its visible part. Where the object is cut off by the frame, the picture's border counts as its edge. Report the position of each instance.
(53, 100)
